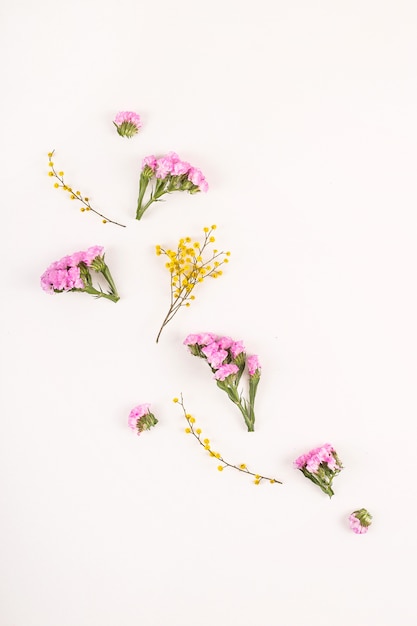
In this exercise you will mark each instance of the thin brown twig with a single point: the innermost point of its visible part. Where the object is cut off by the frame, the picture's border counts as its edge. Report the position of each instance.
(76, 195)
(205, 443)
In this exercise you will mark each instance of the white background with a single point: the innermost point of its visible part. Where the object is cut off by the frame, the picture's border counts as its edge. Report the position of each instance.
(302, 115)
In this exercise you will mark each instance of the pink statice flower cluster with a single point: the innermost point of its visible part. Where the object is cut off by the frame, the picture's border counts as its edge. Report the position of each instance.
(140, 418)
(320, 465)
(171, 174)
(360, 521)
(127, 123)
(73, 273)
(228, 360)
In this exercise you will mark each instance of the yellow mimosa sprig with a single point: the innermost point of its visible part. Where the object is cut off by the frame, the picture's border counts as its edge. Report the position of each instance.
(191, 429)
(75, 195)
(190, 265)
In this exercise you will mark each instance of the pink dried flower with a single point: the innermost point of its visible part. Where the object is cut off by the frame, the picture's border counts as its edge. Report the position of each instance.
(171, 174)
(191, 340)
(253, 364)
(127, 123)
(149, 161)
(72, 273)
(225, 342)
(217, 358)
(206, 338)
(180, 168)
(173, 156)
(237, 348)
(58, 280)
(360, 521)
(227, 359)
(91, 253)
(195, 176)
(140, 418)
(320, 465)
(226, 370)
(164, 167)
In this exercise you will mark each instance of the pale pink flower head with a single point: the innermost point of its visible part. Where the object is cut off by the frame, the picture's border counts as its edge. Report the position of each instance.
(164, 167)
(91, 253)
(313, 463)
(237, 348)
(360, 521)
(225, 342)
(191, 340)
(64, 274)
(173, 157)
(301, 461)
(127, 123)
(74, 279)
(72, 273)
(253, 365)
(140, 418)
(76, 258)
(214, 354)
(196, 342)
(180, 168)
(195, 176)
(206, 338)
(61, 279)
(149, 161)
(216, 359)
(320, 465)
(65, 262)
(210, 349)
(226, 370)
(324, 455)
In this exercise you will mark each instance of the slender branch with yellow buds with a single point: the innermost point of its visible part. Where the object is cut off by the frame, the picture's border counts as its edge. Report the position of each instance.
(205, 443)
(75, 195)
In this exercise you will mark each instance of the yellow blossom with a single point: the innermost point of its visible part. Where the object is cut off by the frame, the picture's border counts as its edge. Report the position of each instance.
(188, 268)
(224, 464)
(75, 195)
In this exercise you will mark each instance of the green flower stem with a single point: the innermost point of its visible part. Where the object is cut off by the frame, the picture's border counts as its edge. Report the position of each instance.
(99, 294)
(326, 487)
(143, 183)
(160, 190)
(107, 275)
(231, 389)
(253, 386)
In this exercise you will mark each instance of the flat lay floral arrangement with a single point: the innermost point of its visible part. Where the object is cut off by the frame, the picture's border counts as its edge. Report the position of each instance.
(235, 371)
